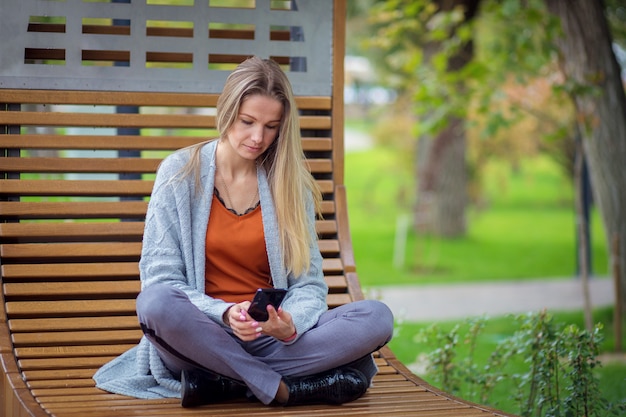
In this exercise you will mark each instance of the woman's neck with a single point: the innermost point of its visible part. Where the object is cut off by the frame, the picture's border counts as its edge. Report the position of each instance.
(231, 166)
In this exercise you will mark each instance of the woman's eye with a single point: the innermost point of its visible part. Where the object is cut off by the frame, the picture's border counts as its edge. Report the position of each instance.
(246, 122)
(272, 127)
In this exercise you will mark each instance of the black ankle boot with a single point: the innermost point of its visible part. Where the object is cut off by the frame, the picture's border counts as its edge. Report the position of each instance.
(337, 386)
(199, 388)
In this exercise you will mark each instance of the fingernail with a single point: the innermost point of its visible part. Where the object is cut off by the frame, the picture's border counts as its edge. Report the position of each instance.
(259, 329)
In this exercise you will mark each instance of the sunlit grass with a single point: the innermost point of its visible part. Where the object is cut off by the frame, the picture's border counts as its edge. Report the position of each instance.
(525, 230)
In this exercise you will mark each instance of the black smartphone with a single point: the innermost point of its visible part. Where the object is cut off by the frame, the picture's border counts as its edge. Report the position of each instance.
(264, 297)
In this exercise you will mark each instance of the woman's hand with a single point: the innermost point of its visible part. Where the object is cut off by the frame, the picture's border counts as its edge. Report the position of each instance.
(279, 325)
(238, 319)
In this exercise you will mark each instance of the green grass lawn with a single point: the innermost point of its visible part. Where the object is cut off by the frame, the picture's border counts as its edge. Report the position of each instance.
(525, 231)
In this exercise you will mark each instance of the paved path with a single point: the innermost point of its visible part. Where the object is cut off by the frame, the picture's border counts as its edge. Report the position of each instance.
(447, 302)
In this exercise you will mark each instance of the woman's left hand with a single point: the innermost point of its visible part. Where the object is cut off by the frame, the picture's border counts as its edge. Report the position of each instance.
(279, 324)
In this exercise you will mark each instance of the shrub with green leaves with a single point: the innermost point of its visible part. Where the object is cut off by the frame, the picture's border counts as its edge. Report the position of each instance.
(548, 367)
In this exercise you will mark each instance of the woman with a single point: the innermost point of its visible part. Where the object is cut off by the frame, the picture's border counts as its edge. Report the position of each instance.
(227, 217)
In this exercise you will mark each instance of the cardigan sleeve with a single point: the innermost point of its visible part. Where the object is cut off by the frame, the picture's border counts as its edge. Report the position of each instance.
(167, 254)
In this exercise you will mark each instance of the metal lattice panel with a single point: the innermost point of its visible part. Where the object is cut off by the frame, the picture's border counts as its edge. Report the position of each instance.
(161, 45)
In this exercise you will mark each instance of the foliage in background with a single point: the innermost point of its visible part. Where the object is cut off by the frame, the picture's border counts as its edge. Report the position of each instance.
(558, 372)
(513, 73)
(512, 39)
(508, 101)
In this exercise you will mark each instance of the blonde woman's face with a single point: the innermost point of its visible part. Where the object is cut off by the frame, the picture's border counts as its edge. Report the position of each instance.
(256, 126)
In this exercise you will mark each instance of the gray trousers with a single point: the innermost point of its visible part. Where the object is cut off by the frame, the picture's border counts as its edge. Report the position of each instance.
(186, 338)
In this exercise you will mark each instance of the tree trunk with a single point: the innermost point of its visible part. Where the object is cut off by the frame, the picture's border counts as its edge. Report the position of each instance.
(442, 192)
(442, 170)
(583, 242)
(588, 60)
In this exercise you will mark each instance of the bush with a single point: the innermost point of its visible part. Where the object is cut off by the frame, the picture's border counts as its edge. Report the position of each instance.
(549, 369)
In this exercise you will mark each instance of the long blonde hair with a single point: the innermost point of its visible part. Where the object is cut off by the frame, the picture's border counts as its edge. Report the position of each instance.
(290, 181)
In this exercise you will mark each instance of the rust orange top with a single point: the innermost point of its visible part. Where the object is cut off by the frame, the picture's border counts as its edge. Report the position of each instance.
(236, 257)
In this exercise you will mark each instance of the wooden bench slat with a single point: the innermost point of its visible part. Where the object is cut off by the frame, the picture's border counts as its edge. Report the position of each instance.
(60, 383)
(328, 246)
(73, 323)
(51, 379)
(60, 279)
(335, 300)
(70, 308)
(68, 271)
(162, 121)
(107, 188)
(332, 265)
(119, 98)
(96, 142)
(62, 251)
(77, 338)
(61, 119)
(336, 283)
(96, 250)
(320, 165)
(69, 290)
(57, 281)
(326, 186)
(317, 144)
(326, 227)
(88, 396)
(328, 207)
(64, 363)
(73, 188)
(72, 351)
(80, 165)
(73, 210)
(32, 232)
(127, 98)
(60, 232)
(125, 142)
(52, 393)
(110, 165)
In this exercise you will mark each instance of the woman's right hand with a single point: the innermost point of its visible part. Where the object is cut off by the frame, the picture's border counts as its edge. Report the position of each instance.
(243, 326)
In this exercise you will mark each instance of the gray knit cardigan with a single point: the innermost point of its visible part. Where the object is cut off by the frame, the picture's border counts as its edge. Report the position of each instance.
(174, 253)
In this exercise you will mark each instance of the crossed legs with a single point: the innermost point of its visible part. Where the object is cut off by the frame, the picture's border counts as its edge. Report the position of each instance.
(187, 339)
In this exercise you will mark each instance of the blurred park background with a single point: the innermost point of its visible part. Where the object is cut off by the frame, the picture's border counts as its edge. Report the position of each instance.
(462, 164)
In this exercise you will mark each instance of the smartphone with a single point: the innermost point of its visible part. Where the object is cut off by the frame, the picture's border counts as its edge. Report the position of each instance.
(264, 297)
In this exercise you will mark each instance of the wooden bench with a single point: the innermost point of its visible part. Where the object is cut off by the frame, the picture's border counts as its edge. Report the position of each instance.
(75, 177)
(70, 240)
